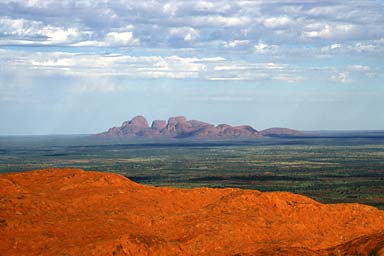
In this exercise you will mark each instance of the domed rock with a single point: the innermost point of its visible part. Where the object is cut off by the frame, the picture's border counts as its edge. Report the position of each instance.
(158, 124)
(134, 127)
(139, 121)
(172, 121)
(223, 127)
(170, 129)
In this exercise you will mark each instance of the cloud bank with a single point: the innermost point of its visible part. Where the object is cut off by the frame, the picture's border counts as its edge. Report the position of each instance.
(177, 33)
(203, 48)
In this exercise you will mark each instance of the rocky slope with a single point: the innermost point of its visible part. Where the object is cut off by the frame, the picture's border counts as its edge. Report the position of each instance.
(180, 127)
(73, 212)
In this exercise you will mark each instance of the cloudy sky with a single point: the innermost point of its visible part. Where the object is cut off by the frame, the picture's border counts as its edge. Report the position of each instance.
(81, 66)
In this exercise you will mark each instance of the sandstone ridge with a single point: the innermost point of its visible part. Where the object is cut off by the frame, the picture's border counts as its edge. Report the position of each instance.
(180, 127)
(76, 212)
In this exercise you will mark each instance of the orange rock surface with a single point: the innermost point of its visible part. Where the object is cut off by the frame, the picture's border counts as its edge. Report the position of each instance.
(74, 212)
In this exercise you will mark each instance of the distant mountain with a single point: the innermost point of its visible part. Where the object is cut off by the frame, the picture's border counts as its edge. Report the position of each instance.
(276, 131)
(180, 127)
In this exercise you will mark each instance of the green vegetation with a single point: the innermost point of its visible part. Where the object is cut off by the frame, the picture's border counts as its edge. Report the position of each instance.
(328, 170)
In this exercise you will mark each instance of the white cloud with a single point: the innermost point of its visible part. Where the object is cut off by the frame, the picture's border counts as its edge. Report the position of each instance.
(218, 20)
(121, 39)
(27, 32)
(211, 6)
(60, 35)
(187, 33)
(236, 43)
(144, 67)
(112, 39)
(262, 48)
(325, 10)
(327, 31)
(359, 68)
(104, 23)
(250, 66)
(275, 22)
(112, 65)
(204, 5)
(90, 43)
(289, 78)
(170, 34)
(335, 46)
(171, 8)
(18, 27)
(37, 3)
(54, 62)
(241, 70)
(342, 77)
(330, 48)
(367, 48)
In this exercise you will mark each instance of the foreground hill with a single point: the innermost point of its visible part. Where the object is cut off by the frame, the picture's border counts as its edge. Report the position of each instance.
(180, 127)
(73, 212)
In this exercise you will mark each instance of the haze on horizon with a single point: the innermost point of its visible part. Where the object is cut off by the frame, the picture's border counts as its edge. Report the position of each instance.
(82, 66)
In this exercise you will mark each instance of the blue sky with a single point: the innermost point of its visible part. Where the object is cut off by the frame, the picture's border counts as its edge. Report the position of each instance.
(83, 66)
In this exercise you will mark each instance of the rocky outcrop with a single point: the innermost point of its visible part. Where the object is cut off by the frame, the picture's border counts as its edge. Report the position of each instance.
(180, 127)
(134, 127)
(74, 212)
(280, 132)
(158, 125)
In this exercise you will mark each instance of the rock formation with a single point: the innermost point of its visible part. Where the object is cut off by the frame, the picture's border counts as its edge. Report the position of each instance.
(180, 127)
(279, 132)
(74, 212)
(158, 125)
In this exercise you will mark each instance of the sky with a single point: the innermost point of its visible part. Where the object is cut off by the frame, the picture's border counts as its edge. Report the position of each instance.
(82, 66)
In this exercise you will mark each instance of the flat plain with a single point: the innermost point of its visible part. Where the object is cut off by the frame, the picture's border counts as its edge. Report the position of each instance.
(330, 167)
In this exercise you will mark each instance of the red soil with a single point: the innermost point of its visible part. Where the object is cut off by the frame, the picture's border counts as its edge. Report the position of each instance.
(73, 212)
